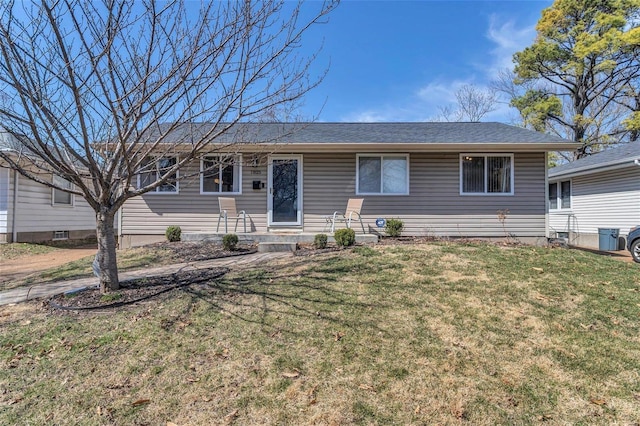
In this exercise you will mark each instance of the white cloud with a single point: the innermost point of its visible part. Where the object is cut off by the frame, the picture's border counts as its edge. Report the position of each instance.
(508, 39)
(425, 102)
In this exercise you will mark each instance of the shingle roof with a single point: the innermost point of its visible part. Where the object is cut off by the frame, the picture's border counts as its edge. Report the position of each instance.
(383, 133)
(618, 155)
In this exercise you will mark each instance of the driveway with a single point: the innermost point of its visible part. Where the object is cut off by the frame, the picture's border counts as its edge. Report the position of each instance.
(22, 267)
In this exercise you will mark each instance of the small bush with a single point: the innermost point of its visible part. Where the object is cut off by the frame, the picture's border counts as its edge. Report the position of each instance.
(394, 227)
(173, 233)
(229, 242)
(345, 237)
(320, 241)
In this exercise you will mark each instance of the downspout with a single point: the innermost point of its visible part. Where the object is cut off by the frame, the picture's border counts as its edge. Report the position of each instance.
(546, 196)
(14, 220)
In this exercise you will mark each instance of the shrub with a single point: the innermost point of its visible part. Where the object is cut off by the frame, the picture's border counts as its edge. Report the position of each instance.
(394, 227)
(173, 233)
(229, 242)
(320, 241)
(345, 237)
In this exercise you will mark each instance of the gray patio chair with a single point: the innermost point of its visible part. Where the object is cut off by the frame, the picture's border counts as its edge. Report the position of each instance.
(228, 211)
(354, 206)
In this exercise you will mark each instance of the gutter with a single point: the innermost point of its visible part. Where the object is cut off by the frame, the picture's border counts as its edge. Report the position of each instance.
(14, 229)
(612, 165)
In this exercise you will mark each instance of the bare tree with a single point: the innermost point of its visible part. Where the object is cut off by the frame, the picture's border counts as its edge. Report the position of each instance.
(93, 90)
(472, 104)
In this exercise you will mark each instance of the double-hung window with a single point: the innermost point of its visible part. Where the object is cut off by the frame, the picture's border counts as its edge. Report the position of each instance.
(153, 169)
(59, 197)
(560, 195)
(221, 174)
(382, 174)
(486, 174)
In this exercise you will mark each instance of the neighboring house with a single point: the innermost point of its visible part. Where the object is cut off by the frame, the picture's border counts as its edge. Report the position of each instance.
(32, 212)
(441, 179)
(601, 191)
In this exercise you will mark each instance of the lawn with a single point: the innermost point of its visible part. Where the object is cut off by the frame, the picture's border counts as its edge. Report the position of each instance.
(437, 333)
(18, 250)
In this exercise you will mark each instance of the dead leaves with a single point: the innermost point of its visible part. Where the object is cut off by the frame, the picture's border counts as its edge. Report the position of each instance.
(367, 387)
(140, 402)
(337, 336)
(291, 374)
(597, 401)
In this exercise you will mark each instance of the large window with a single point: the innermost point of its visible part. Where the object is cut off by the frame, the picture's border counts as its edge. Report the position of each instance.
(560, 195)
(221, 174)
(153, 169)
(59, 197)
(382, 174)
(486, 174)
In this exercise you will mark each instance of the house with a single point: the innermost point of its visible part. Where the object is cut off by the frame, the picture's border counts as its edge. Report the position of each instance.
(485, 180)
(601, 191)
(33, 212)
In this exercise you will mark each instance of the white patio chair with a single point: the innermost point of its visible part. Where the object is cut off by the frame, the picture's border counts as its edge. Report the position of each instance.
(354, 206)
(228, 211)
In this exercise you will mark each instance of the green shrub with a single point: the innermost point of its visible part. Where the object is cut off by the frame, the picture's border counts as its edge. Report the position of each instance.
(229, 242)
(394, 227)
(173, 233)
(345, 237)
(320, 241)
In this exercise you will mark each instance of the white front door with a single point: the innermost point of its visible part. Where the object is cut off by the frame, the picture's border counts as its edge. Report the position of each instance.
(284, 201)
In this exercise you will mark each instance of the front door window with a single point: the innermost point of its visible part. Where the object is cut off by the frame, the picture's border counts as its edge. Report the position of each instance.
(285, 191)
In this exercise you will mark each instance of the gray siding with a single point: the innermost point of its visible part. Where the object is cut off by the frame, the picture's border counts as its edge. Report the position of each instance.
(601, 200)
(35, 212)
(152, 213)
(434, 206)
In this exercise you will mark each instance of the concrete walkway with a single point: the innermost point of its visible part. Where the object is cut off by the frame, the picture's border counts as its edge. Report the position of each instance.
(35, 291)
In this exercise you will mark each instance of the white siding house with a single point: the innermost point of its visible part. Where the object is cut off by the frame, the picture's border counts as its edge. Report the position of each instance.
(601, 191)
(32, 212)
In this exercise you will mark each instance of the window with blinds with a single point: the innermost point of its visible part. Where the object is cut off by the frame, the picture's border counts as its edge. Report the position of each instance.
(486, 174)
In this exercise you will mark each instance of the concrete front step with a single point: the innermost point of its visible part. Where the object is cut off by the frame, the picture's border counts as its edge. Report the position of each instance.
(271, 237)
(270, 247)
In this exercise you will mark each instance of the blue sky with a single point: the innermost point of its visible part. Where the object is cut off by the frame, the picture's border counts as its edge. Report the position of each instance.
(402, 60)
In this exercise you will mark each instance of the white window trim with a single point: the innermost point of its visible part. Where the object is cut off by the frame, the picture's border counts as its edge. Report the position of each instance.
(559, 195)
(486, 193)
(238, 158)
(72, 197)
(63, 238)
(381, 155)
(156, 190)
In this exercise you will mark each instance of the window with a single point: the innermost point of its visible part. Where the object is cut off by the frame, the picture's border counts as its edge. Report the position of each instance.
(60, 235)
(486, 174)
(220, 174)
(560, 195)
(382, 174)
(153, 169)
(59, 197)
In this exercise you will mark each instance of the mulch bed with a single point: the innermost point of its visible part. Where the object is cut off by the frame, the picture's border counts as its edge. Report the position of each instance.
(190, 251)
(140, 290)
(132, 291)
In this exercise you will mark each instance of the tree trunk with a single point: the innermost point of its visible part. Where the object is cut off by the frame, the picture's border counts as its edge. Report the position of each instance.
(107, 251)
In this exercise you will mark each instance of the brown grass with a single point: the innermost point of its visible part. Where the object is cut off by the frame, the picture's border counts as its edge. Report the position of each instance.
(386, 335)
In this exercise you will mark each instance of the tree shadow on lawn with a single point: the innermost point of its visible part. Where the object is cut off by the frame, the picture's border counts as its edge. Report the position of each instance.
(255, 296)
(263, 296)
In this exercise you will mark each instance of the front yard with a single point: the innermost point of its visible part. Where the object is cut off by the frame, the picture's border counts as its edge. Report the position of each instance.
(436, 333)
